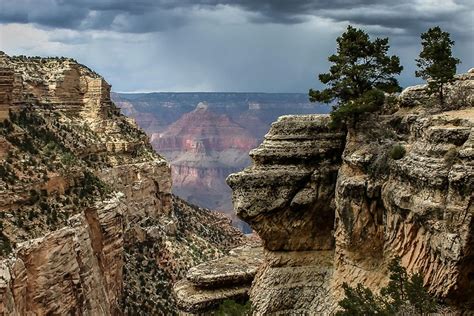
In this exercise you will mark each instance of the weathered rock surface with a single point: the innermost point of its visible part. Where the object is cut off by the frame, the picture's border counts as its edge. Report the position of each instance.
(88, 222)
(457, 94)
(76, 268)
(294, 283)
(332, 208)
(287, 194)
(210, 283)
(240, 266)
(195, 300)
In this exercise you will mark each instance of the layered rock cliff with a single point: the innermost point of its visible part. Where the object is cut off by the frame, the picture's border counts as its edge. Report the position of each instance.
(334, 206)
(88, 222)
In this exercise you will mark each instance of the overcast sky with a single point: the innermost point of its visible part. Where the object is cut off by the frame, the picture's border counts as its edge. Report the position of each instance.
(213, 45)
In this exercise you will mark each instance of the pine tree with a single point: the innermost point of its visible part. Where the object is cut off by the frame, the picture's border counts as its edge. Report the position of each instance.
(360, 301)
(400, 294)
(396, 286)
(360, 72)
(418, 297)
(436, 63)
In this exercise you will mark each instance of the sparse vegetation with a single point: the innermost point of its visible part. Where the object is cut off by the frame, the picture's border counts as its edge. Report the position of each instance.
(5, 245)
(91, 184)
(397, 152)
(233, 308)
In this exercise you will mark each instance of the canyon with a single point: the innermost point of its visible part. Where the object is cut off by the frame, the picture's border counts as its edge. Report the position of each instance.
(207, 136)
(334, 206)
(88, 222)
(90, 225)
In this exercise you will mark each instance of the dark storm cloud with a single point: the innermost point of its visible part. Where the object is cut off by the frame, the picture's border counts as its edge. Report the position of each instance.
(143, 16)
(223, 45)
(43, 12)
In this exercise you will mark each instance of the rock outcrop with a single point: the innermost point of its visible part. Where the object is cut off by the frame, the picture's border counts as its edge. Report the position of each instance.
(210, 283)
(88, 222)
(332, 207)
(73, 269)
(287, 196)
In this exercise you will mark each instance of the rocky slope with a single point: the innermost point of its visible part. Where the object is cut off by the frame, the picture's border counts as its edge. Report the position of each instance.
(334, 207)
(88, 222)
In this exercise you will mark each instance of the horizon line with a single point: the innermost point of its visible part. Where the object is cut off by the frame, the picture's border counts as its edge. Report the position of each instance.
(190, 92)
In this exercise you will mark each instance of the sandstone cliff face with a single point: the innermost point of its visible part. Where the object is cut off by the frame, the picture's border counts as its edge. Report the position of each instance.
(287, 196)
(333, 208)
(75, 269)
(88, 221)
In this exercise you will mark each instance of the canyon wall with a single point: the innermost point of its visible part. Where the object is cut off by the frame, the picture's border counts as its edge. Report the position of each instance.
(334, 206)
(88, 222)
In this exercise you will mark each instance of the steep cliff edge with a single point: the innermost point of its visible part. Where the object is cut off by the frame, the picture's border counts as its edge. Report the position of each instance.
(333, 207)
(287, 196)
(88, 222)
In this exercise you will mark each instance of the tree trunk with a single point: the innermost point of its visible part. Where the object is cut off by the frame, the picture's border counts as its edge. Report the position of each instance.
(441, 96)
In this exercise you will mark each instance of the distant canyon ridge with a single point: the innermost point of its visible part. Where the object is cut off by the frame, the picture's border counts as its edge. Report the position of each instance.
(207, 136)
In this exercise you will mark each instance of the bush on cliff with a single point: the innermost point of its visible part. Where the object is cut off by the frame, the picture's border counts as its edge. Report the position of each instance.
(232, 308)
(397, 152)
(360, 72)
(402, 295)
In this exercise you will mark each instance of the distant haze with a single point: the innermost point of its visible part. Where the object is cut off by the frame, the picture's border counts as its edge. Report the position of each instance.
(221, 45)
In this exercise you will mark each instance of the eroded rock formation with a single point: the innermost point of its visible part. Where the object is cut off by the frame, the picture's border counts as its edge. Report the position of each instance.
(287, 196)
(210, 283)
(88, 221)
(332, 207)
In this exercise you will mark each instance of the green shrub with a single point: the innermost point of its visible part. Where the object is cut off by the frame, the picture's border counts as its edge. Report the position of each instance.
(418, 297)
(232, 308)
(5, 245)
(91, 183)
(397, 152)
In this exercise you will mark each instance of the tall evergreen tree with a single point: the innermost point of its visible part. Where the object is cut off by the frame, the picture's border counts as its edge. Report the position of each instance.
(418, 297)
(360, 72)
(396, 286)
(436, 63)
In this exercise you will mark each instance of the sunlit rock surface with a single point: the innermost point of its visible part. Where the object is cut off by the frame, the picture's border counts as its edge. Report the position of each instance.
(88, 222)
